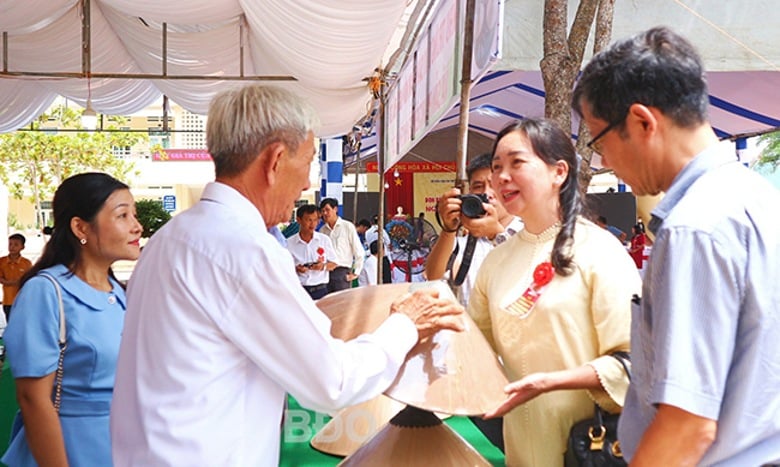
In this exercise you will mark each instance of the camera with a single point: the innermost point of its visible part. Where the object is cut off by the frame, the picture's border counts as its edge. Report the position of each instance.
(471, 206)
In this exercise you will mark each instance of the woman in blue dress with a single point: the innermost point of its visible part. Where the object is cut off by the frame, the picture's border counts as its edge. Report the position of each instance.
(94, 225)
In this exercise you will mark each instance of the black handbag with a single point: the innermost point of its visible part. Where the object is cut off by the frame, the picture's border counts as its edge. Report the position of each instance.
(593, 442)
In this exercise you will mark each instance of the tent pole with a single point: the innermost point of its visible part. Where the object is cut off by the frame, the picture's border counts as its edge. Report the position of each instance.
(465, 96)
(355, 198)
(380, 156)
(86, 38)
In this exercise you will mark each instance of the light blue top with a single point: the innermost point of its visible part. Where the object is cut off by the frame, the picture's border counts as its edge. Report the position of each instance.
(706, 337)
(94, 321)
(615, 231)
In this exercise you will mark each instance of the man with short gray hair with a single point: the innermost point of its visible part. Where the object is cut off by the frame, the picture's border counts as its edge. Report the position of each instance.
(219, 329)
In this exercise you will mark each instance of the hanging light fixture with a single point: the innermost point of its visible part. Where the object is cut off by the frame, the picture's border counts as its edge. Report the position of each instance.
(395, 173)
(89, 116)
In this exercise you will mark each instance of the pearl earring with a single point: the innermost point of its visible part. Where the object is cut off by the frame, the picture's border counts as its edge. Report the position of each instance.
(83, 241)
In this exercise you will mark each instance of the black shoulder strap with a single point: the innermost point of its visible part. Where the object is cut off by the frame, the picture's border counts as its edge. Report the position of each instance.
(624, 358)
(465, 263)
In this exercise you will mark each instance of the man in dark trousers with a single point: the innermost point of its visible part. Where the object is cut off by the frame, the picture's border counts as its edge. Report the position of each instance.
(350, 254)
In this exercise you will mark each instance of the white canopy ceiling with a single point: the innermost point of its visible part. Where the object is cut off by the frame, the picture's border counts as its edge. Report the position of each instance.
(330, 46)
(327, 46)
(738, 42)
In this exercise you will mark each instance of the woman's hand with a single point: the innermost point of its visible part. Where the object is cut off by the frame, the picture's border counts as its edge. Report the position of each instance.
(525, 389)
(520, 392)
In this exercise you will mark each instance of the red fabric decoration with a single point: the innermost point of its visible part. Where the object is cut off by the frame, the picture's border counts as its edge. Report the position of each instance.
(543, 274)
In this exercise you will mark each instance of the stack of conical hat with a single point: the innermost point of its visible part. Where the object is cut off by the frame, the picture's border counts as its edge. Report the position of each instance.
(355, 425)
(415, 438)
(451, 372)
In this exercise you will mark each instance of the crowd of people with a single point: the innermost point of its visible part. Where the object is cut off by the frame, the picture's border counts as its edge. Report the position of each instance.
(191, 364)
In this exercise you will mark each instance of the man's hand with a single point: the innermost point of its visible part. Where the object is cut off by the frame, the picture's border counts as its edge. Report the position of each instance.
(351, 277)
(448, 207)
(429, 313)
(487, 226)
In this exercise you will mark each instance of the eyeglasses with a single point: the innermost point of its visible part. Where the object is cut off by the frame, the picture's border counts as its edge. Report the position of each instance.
(594, 145)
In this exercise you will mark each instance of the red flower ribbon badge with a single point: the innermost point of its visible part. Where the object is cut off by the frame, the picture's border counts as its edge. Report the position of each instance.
(321, 255)
(543, 275)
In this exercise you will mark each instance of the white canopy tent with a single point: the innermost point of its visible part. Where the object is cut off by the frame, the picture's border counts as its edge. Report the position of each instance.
(321, 50)
(737, 40)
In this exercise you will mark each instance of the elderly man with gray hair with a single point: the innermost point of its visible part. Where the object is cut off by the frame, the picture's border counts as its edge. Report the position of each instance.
(219, 329)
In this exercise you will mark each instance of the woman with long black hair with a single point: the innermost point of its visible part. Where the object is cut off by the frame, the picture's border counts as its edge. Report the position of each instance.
(63, 420)
(553, 300)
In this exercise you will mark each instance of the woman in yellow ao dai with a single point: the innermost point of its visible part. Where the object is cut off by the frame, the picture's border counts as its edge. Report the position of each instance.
(554, 334)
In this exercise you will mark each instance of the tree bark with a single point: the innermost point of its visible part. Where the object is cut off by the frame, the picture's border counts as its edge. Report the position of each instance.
(563, 55)
(563, 59)
(603, 36)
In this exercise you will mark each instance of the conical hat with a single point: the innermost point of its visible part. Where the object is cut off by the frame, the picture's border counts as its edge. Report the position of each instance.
(451, 372)
(414, 438)
(356, 311)
(353, 426)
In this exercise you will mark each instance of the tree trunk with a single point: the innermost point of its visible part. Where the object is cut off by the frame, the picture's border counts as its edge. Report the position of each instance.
(563, 55)
(604, 17)
(36, 196)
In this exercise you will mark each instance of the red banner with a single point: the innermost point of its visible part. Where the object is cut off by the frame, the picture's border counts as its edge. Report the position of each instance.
(182, 155)
(412, 167)
(400, 193)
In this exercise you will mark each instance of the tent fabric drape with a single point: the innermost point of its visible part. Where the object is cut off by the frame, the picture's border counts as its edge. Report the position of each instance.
(329, 47)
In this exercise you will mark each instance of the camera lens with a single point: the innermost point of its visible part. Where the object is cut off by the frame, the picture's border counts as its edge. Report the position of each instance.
(471, 205)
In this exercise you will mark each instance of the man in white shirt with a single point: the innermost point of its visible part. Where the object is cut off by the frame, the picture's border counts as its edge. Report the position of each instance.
(312, 251)
(372, 235)
(369, 272)
(349, 249)
(218, 328)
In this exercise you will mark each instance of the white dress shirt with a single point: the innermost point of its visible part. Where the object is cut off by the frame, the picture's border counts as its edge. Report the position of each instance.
(372, 234)
(349, 249)
(218, 330)
(368, 274)
(304, 252)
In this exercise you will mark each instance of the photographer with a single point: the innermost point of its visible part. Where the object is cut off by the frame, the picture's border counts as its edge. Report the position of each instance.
(491, 227)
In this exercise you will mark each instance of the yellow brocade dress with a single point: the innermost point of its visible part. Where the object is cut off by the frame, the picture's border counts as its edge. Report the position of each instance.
(578, 319)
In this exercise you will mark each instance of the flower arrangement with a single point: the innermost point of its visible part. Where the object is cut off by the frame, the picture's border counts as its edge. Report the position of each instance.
(398, 230)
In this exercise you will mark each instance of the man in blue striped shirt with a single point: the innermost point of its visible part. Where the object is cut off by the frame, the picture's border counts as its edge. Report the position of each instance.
(705, 337)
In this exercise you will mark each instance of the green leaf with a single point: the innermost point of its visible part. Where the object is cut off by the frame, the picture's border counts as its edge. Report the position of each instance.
(151, 215)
